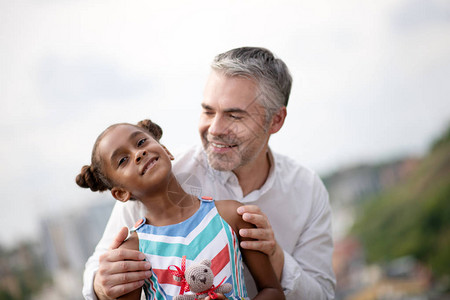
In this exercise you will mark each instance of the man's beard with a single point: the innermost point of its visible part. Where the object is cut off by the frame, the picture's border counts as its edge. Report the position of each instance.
(222, 161)
(240, 154)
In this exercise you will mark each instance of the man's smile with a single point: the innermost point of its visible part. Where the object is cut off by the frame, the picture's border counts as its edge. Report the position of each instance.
(221, 147)
(217, 145)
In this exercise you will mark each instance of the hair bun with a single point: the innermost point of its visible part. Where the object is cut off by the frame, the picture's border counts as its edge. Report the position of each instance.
(153, 128)
(89, 179)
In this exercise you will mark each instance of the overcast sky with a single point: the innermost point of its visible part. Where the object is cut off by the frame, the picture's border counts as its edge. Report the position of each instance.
(371, 82)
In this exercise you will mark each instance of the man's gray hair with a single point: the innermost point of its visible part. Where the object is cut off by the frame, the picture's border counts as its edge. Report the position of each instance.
(270, 73)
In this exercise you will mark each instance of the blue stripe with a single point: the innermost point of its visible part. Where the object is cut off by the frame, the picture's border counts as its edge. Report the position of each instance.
(181, 229)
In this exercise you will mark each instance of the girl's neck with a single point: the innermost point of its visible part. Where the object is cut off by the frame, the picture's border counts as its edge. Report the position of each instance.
(170, 205)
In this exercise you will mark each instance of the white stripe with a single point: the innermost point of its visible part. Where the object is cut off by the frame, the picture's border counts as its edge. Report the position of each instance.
(179, 239)
(170, 289)
(210, 251)
(163, 262)
(214, 247)
(225, 272)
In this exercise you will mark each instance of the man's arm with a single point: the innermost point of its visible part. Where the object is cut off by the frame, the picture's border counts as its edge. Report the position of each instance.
(306, 273)
(110, 272)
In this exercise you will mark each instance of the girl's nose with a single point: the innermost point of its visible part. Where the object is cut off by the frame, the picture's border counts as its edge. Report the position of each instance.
(140, 155)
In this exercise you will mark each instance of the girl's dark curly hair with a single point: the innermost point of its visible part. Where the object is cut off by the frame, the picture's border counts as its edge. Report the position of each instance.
(92, 176)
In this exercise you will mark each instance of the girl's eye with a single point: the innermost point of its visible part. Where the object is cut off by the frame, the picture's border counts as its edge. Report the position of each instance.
(141, 142)
(122, 160)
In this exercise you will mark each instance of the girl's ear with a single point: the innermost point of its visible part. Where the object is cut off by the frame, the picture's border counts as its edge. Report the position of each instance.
(120, 194)
(168, 152)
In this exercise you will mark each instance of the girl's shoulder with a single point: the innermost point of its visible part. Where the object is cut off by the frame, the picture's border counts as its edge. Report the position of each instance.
(228, 211)
(228, 205)
(132, 242)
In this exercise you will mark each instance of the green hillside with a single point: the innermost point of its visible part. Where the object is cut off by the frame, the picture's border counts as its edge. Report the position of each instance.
(413, 217)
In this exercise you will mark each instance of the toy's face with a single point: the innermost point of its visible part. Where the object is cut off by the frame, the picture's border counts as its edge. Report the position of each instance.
(200, 278)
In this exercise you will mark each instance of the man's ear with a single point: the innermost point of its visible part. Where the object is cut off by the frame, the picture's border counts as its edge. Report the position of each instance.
(120, 194)
(278, 120)
(168, 152)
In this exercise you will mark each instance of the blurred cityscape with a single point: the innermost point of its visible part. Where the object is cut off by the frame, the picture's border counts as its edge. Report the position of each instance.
(53, 268)
(392, 227)
(391, 231)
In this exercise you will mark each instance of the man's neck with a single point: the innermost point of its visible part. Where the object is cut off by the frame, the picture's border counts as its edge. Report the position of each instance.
(252, 176)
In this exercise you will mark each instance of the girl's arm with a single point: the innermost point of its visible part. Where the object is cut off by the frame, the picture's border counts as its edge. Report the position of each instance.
(257, 262)
(131, 243)
(264, 235)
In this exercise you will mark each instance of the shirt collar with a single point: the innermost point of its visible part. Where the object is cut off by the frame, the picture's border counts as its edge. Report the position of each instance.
(271, 178)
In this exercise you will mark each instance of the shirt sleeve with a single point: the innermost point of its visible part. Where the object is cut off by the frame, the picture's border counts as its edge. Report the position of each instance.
(308, 272)
(123, 214)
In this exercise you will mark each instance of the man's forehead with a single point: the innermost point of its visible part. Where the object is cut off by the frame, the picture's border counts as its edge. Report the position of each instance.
(231, 95)
(233, 105)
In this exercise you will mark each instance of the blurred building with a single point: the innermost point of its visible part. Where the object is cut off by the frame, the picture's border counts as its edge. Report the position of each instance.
(354, 185)
(68, 240)
(348, 188)
(21, 271)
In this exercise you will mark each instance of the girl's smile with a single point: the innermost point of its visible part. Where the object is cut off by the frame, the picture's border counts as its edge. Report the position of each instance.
(149, 164)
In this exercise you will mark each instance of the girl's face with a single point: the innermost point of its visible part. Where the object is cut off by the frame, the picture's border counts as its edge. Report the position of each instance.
(134, 160)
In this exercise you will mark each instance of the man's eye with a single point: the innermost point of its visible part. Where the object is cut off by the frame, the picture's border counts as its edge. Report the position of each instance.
(122, 160)
(235, 117)
(141, 142)
(208, 113)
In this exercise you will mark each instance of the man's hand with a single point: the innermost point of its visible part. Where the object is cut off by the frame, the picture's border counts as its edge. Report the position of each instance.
(263, 236)
(120, 270)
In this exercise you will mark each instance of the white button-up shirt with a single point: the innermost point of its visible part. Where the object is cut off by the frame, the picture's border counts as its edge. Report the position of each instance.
(293, 198)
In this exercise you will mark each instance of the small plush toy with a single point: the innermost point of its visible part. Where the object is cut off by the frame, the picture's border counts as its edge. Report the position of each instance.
(199, 279)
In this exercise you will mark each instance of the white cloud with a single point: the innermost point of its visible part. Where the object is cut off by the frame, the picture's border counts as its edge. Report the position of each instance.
(364, 74)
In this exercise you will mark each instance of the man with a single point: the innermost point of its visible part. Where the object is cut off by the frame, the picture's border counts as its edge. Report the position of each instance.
(244, 103)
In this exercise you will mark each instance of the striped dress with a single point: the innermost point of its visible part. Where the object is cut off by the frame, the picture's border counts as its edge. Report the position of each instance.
(205, 235)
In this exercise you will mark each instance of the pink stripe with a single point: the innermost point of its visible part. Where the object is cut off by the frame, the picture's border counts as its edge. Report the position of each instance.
(220, 260)
(153, 289)
(217, 264)
(165, 277)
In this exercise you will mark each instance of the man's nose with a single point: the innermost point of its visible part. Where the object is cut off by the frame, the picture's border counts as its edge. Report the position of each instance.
(139, 156)
(218, 126)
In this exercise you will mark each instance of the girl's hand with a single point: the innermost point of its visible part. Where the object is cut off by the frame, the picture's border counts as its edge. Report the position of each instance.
(219, 297)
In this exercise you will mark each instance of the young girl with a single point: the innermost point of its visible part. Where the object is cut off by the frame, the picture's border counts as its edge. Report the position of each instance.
(129, 161)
